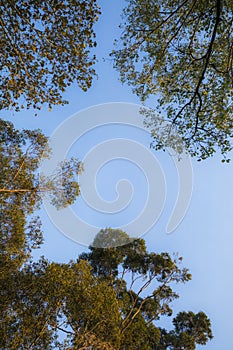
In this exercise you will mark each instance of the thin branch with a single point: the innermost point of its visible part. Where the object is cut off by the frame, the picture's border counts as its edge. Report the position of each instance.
(62, 330)
(197, 114)
(129, 321)
(151, 31)
(18, 190)
(181, 25)
(148, 282)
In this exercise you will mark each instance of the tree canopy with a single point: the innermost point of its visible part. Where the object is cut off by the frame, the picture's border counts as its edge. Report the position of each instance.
(110, 298)
(113, 296)
(180, 53)
(45, 46)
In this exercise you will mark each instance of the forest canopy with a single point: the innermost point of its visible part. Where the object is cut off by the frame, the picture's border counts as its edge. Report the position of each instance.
(110, 298)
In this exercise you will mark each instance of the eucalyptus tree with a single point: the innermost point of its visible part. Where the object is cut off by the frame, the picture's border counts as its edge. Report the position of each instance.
(144, 286)
(22, 189)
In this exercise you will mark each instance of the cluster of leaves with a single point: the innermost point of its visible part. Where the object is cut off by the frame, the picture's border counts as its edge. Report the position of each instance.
(45, 46)
(111, 298)
(181, 52)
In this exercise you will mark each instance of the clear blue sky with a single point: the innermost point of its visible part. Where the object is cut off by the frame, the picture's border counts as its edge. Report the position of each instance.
(204, 238)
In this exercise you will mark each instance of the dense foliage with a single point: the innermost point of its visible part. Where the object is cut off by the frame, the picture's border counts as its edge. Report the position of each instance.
(110, 298)
(45, 46)
(180, 52)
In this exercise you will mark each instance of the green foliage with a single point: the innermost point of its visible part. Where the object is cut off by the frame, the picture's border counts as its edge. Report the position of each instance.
(190, 329)
(112, 304)
(45, 46)
(20, 153)
(44, 299)
(180, 52)
(61, 187)
(143, 285)
(21, 190)
(196, 326)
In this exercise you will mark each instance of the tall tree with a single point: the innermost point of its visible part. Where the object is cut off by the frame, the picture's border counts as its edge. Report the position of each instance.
(45, 46)
(21, 192)
(21, 189)
(143, 285)
(181, 53)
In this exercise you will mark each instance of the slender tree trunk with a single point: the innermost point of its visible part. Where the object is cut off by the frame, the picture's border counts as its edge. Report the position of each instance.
(18, 190)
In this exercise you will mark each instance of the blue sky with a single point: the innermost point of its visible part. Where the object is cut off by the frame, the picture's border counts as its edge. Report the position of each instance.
(204, 238)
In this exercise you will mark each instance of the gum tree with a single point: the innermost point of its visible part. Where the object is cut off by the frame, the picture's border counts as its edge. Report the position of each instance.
(22, 189)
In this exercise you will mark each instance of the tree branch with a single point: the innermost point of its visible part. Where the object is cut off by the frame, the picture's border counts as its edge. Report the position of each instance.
(207, 55)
